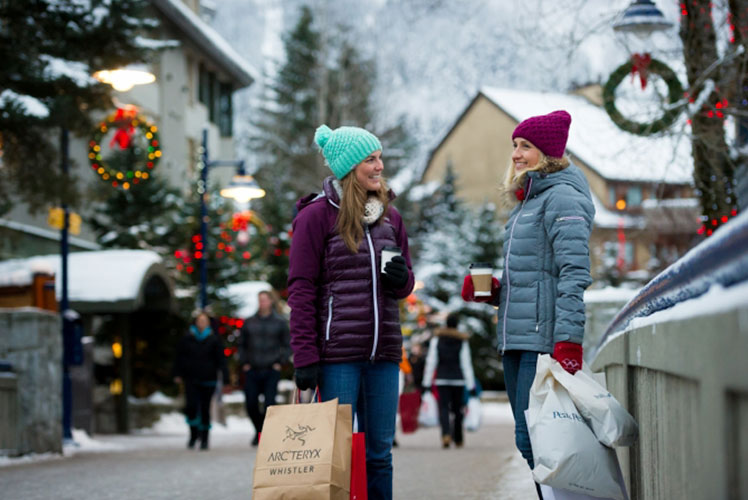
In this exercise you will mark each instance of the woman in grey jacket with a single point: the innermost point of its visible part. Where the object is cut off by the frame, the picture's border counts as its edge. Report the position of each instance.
(546, 261)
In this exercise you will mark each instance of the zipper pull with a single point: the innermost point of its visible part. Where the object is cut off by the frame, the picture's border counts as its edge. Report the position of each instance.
(537, 327)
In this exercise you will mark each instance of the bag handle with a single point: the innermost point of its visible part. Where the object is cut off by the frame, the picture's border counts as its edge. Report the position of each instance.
(297, 396)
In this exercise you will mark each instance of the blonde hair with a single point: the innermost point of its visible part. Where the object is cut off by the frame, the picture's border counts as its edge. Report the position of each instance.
(514, 180)
(349, 224)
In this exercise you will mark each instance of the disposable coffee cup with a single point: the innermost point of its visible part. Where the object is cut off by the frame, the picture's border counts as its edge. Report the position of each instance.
(482, 274)
(388, 253)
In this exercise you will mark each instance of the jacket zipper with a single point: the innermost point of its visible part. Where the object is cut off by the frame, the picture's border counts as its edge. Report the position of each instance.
(506, 266)
(537, 308)
(329, 318)
(374, 290)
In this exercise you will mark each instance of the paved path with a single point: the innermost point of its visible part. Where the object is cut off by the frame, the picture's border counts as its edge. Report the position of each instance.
(158, 467)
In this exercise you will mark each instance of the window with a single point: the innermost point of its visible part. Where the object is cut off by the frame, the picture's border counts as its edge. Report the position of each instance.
(225, 115)
(203, 89)
(212, 97)
(612, 194)
(634, 196)
(216, 96)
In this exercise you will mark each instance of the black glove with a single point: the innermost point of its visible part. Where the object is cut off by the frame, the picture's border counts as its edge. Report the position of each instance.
(425, 389)
(306, 377)
(473, 393)
(396, 272)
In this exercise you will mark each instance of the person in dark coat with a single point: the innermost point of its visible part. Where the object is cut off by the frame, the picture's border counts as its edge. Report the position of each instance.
(449, 367)
(546, 261)
(345, 319)
(418, 363)
(264, 349)
(199, 361)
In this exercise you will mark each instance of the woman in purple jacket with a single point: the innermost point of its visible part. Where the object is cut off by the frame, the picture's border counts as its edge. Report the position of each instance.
(345, 325)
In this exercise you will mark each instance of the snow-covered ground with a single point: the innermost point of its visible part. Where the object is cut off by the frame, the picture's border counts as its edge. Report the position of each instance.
(173, 425)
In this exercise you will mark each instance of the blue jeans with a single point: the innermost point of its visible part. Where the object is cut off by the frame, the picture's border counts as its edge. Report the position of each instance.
(371, 390)
(519, 372)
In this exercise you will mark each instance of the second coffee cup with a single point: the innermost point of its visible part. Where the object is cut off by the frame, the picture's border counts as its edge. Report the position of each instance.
(481, 274)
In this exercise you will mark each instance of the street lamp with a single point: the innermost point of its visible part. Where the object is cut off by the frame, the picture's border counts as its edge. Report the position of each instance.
(642, 18)
(124, 79)
(242, 188)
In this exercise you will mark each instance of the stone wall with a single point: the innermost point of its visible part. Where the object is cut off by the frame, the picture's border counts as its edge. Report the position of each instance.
(31, 340)
(601, 306)
(685, 381)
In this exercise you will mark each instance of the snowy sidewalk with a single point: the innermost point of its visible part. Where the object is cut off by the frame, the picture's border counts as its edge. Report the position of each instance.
(154, 464)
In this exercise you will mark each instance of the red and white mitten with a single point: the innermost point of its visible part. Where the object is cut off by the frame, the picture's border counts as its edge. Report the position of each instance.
(569, 356)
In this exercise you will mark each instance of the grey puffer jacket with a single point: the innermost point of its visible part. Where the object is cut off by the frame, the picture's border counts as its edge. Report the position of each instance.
(547, 263)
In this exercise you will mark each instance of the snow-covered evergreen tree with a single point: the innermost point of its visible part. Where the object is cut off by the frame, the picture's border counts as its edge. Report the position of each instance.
(146, 217)
(322, 80)
(49, 49)
(442, 245)
(450, 236)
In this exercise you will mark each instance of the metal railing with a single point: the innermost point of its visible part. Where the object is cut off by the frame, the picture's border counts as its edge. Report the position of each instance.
(721, 259)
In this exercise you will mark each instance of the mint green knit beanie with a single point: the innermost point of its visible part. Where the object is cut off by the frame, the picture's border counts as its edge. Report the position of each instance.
(345, 147)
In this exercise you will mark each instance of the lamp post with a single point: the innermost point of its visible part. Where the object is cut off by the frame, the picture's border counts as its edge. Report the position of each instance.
(242, 188)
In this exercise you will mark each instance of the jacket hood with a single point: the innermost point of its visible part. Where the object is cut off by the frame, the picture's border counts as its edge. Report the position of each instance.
(329, 192)
(571, 175)
(451, 332)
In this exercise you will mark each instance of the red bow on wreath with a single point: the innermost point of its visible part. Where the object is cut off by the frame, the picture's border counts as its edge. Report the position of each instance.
(640, 64)
(123, 136)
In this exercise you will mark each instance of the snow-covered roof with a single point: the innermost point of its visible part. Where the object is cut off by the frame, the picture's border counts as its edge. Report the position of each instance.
(105, 281)
(244, 294)
(599, 143)
(207, 39)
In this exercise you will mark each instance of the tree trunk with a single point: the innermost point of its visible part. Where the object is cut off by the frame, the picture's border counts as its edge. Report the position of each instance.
(714, 172)
(739, 97)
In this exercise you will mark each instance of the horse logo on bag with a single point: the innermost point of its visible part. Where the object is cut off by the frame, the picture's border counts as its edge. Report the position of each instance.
(299, 435)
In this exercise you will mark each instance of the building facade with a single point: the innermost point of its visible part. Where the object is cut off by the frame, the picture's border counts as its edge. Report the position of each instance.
(196, 73)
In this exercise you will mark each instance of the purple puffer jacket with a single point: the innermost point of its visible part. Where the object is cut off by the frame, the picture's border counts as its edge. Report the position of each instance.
(341, 311)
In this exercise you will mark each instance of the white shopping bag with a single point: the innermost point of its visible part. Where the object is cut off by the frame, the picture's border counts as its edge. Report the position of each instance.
(567, 454)
(429, 414)
(610, 421)
(473, 415)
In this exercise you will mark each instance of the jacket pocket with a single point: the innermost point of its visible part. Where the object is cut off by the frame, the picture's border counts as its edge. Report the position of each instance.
(329, 319)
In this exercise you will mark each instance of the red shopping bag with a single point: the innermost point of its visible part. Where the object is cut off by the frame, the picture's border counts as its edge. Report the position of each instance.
(410, 405)
(358, 467)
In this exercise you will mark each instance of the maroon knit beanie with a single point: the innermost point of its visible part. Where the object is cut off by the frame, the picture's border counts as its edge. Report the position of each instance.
(548, 132)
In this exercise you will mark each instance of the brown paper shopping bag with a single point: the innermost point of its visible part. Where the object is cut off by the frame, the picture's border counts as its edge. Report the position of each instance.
(304, 453)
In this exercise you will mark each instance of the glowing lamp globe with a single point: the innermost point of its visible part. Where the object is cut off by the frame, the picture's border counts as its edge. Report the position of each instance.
(242, 189)
(125, 78)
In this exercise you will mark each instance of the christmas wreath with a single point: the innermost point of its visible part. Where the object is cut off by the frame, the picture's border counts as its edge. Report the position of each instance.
(134, 148)
(644, 65)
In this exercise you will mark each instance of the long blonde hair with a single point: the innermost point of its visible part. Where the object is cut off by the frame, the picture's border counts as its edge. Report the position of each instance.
(349, 223)
(514, 180)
